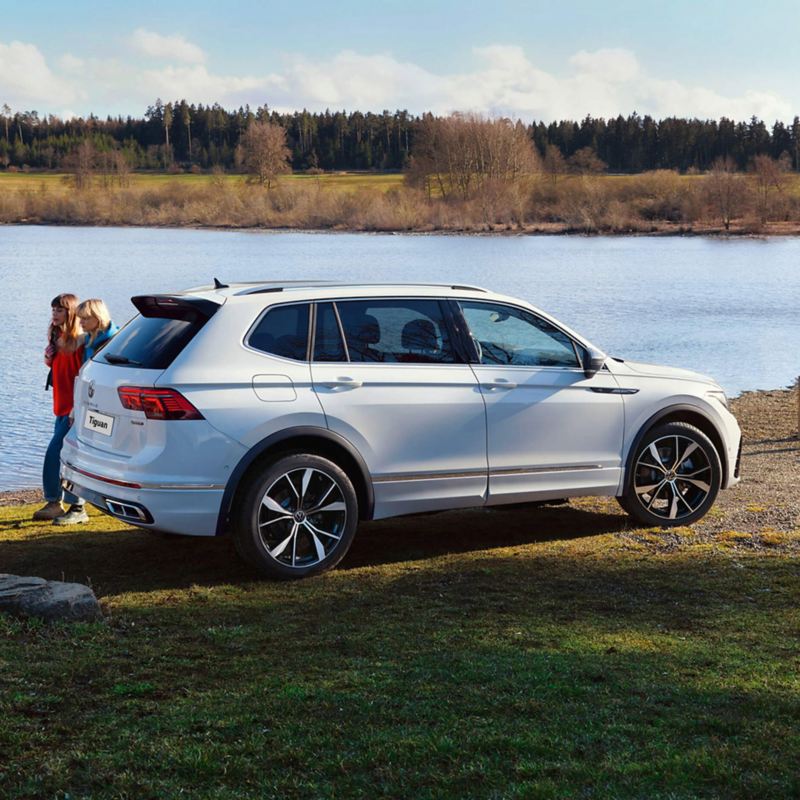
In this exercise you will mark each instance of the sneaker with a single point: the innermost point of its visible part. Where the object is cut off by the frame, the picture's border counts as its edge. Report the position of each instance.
(74, 516)
(50, 510)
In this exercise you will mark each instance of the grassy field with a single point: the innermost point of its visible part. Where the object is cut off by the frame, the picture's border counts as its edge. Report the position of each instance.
(61, 182)
(660, 202)
(548, 653)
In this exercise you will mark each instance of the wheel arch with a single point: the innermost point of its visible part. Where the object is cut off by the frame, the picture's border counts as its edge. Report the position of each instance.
(310, 439)
(681, 413)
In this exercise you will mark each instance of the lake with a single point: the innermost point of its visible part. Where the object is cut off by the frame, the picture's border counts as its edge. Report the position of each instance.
(728, 308)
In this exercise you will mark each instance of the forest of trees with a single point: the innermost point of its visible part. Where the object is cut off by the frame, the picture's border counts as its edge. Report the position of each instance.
(178, 136)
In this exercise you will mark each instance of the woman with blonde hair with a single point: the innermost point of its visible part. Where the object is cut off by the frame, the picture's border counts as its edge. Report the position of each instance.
(64, 356)
(97, 326)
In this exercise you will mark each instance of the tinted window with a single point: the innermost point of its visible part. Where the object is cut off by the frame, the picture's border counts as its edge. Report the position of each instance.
(328, 338)
(396, 331)
(283, 331)
(149, 342)
(508, 335)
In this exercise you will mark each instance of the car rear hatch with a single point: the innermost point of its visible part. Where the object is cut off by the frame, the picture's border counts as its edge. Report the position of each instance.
(110, 390)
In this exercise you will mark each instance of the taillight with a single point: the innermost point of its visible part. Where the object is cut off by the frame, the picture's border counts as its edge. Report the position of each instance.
(157, 403)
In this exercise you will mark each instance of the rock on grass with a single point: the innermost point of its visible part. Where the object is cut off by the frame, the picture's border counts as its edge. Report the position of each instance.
(49, 600)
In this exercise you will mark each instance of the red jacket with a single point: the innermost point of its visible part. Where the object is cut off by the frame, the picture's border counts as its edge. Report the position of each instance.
(65, 367)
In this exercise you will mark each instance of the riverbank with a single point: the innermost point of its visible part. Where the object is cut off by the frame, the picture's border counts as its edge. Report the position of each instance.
(658, 203)
(767, 498)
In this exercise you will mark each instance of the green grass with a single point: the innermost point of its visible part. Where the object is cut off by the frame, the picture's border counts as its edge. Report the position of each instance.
(552, 653)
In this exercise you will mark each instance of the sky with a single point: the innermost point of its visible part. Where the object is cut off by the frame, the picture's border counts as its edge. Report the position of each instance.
(537, 60)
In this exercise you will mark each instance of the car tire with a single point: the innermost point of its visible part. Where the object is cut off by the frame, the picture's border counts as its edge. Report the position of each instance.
(673, 476)
(297, 517)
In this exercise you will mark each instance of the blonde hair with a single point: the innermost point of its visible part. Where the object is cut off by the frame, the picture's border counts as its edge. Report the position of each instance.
(67, 336)
(97, 309)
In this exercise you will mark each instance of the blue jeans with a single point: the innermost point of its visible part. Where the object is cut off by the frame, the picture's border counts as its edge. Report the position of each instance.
(51, 471)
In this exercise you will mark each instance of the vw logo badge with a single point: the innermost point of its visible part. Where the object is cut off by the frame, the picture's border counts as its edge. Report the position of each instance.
(91, 389)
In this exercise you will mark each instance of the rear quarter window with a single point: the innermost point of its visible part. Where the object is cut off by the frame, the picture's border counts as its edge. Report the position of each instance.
(282, 331)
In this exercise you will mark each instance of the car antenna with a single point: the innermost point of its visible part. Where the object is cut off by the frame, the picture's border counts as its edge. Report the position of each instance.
(218, 285)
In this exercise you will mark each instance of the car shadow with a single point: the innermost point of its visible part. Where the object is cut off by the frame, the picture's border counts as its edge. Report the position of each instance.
(453, 532)
(132, 560)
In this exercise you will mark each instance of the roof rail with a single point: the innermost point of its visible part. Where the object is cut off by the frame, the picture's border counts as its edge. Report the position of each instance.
(277, 286)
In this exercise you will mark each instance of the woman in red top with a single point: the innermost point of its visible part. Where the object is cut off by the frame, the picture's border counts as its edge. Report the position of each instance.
(63, 356)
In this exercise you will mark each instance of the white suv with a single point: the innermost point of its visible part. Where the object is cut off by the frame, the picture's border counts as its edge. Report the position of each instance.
(287, 412)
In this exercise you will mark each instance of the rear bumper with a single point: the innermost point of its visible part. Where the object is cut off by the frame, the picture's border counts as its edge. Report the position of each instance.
(188, 510)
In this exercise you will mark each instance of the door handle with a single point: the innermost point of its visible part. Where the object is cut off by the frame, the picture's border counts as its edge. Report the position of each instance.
(500, 383)
(343, 383)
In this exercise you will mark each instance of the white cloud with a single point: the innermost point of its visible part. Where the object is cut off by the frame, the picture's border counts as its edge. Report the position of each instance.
(614, 65)
(70, 63)
(26, 82)
(504, 80)
(166, 48)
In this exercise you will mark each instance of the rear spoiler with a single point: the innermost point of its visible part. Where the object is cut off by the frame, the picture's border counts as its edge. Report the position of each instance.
(166, 306)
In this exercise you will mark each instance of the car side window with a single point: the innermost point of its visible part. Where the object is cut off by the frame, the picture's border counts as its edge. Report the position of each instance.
(283, 331)
(396, 331)
(328, 345)
(511, 336)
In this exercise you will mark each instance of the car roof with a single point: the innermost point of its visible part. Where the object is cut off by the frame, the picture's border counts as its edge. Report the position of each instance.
(315, 289)
(278, 292)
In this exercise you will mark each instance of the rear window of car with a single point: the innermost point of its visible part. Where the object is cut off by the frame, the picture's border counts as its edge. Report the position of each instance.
(149, 342)
(283, 331)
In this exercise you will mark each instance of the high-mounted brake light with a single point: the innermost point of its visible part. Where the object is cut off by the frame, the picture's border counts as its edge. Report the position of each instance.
(157, 403)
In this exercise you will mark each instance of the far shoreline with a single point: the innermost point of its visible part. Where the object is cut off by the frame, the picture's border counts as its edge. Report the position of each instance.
(660, 230)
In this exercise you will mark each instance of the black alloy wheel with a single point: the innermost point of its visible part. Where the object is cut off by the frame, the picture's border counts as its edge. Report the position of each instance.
(298, 517)
(673, 477)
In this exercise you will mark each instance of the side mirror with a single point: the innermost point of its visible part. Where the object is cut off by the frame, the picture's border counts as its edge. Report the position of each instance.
(593, 361)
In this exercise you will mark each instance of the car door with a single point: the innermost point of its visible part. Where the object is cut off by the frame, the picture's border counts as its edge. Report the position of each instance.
(392, 381)
(551, 430)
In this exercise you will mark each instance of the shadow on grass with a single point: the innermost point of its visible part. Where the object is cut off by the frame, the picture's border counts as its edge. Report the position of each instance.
(131, 560)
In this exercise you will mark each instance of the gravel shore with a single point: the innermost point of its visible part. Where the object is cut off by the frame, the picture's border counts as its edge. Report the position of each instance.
(768, 497)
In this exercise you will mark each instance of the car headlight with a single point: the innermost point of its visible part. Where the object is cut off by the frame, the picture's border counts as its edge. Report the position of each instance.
(720, 396)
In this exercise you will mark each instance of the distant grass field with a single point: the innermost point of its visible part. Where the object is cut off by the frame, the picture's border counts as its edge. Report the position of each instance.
(348, 181)
(551, 653)
(34, 181)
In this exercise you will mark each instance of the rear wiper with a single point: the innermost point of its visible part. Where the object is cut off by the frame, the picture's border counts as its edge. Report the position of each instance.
(115, 359)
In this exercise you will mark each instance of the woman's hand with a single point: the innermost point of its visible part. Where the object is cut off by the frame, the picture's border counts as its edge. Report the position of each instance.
(49, 355)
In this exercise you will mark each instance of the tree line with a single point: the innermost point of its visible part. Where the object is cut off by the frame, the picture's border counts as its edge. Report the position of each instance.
(179, 136)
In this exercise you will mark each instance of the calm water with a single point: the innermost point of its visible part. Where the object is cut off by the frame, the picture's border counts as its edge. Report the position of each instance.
(726, 308)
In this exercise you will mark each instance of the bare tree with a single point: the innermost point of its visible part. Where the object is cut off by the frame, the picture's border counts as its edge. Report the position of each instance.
(726, 189)
(264, 153)
(167, 126)
(554, 164)
(586, 162)
(82, 163)
(460, 154)
(769, 175)
(114, 168)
